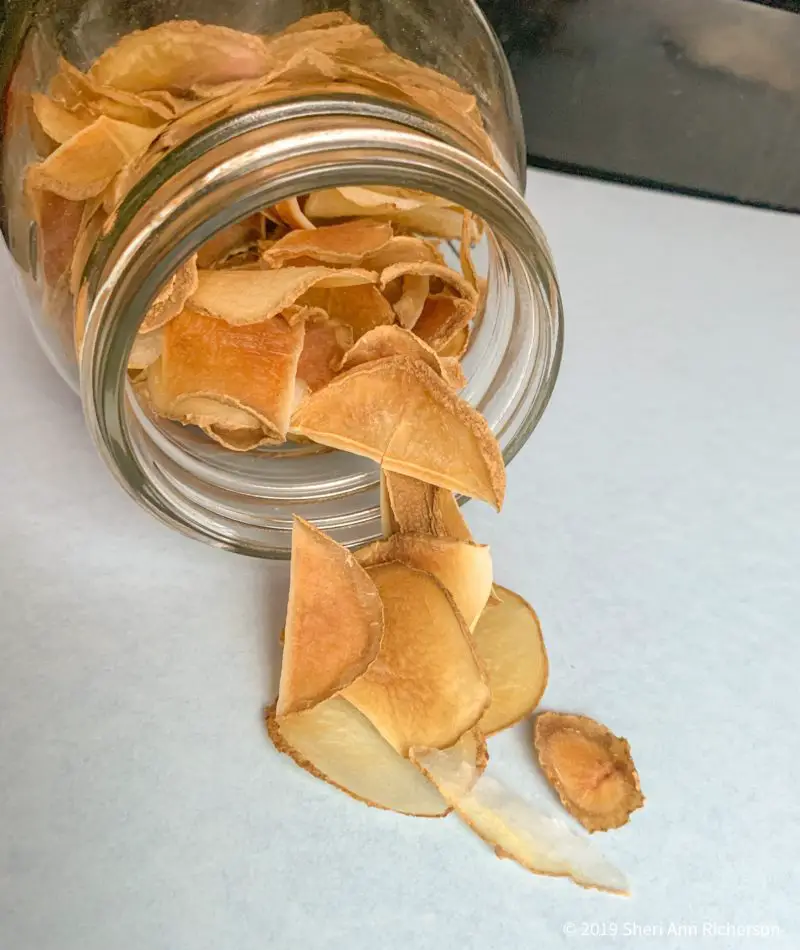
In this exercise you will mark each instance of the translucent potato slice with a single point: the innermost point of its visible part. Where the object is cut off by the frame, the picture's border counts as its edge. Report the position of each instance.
(59, 222)
(425, 269)
(334, 621)
(385, 341)
(515, 828)
(347, 243)
(590, 768)
(403, 247)
(171, 298)
(354, 201)
(462, 567)
(443, 324)
(361, 307)
(508, 639)
(85, 164)
(420, 508)
(426, 681)
(336, 743)
(398, 412)
(178, 54)
(250, 367)
(324, 346)
(147, 348)
(242, 297)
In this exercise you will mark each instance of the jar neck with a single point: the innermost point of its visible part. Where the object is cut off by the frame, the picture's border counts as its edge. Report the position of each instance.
(236, 167)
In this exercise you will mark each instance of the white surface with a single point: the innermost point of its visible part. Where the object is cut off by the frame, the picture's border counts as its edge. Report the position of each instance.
(653, 520)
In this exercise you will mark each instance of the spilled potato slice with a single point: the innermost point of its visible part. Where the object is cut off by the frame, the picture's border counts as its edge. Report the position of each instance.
(590, 768)
(508, 639)
(398, 412)
(242, 297)
(415, 507)
(515, 828)
(334, 621)
(462, 567)
(335, 742)
(347, 243)
(426, 687)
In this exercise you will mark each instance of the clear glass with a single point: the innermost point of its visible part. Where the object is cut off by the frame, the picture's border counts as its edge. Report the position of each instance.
(248, 161)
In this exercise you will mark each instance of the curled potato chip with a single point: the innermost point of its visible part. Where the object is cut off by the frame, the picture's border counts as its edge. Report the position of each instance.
(333, 741)
(452, 372)
(417, 507)
(444, 321)
(362, 307)
(425, 269)
(178, 54)
(403, 247)
(462, 567)
(58, 122)
(385, 341)
(318, 21)
(248, 367)
(408, 306)
(398, 412)
(590, 768)
(85, 164)
(291, 213)
(334, 621)
(515, 828)
(324, 346)
(347, 243)
(426, 680)
(456, 346)
(146, 349)
(508, 639)
(229, 240)
(242, 297)
(170, 300)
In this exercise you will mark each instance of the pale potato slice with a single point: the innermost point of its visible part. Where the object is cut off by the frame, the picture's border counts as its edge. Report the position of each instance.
(347, 243)
(231, 426)
(242, 297)
(172, 297)
(146, 349)
(291, 213)
(179, 54)
(249, 367)
(515, 828)
(508, 639)
(58, 122)
(334, 621)
(417, 507)
(336, 41)
(443, 323)
(86, 164)
(326, 342)
(456, 346)
(426, 681)
(333, 741)
(385, 341)
(590, 768)
(425, 269)
(59, 223)
(239, 235)
(398, 412)
(462, 567)
(361, 307)
(433, 220)
(318, 21)
(403, 247)
(357, 201)
(408, 306)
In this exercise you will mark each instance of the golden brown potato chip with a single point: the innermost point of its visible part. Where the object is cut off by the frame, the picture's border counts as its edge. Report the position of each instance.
(291, 213)
(325, 344)
(515, 828)
(362, 307)
(233, 427)
(318, 21)
(229, 240)
(58, 122)
(431, 220)
(590, 768)
(242, 297)
(178, 54)
(347, 243)
(381, 342)
(419, 508)
(84, 165)
(403, 248)
(508, 639)
(409, 304)
(331, 41)
(452, 372)
(333, 741)
(398, 412)
(172, 297)
(356, 201)
(334, 621)
(462, 567)
(444, 321)
(248, 367)
(59, 222)
(426, 681)
(424, 269)
(456, 346)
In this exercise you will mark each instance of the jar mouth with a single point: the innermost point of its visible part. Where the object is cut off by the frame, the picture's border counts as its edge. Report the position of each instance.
(250, 161)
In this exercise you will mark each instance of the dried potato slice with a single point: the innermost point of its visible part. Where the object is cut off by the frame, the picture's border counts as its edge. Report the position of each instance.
(146, 349)
(242, 297)
(172, 297)
(425, 269)
(86, 164)
(453, 372)
(357, 201)
(515, 828)
(420, 508)
(59, 222)
(508, 639)
(334, 621)
(58, 122)
(426, 681)
(291, 213)
(403, 247)
(444, 320)
(408, 306)
(465, 251)
(333, 741)
(250, 367)
(590, 768)
(178, 54)
(347, 243)
(318, 21)
(381, 342)
(462, 567)
(324, 346)
(456, 346)
(361, 307)
(432, 220)
(398, 412)
(228, 241)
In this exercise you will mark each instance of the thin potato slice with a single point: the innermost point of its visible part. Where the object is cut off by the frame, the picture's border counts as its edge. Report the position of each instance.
(347, 243)
(456, 346)
(356, 201)
(432, 220)
(325, 344)
(233, 427)
(250, 367)
(291, 213)
(590, 768)
(424, 269)
(403, 247)
(408, 307)
(236, 236)
(333, 741)
(398, 412)
(242, 297)
(452, 372)
(515, 828)
(462, 567)
(420, 508)
(86, 164)
(59, 222)
(426, 681)
(465, 251)
(179, 54)
(171, 298)
(361, 307)
(385, 341)
(58, 122)
(334, 621)
(146, 349)
(443, 324)
(508, 639)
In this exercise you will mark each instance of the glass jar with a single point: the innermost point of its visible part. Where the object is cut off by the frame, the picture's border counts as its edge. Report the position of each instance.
(247, 160)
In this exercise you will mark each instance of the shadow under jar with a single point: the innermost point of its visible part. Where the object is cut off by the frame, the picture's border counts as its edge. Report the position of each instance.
(250, 159)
